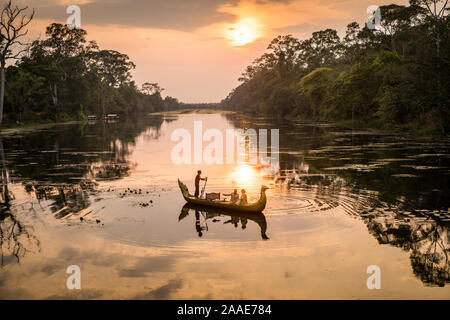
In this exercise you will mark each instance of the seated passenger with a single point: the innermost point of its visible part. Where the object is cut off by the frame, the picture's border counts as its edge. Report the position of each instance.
(243, 198)
(234, 196)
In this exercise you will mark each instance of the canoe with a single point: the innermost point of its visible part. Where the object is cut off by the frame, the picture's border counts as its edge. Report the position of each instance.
(254, 207)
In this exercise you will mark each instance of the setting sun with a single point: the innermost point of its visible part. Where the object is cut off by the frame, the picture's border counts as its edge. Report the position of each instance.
(244, 32)
(242, 35)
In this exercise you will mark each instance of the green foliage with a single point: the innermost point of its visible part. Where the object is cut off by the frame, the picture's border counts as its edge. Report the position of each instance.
(67, 78)
(316, 86)
(397, 76)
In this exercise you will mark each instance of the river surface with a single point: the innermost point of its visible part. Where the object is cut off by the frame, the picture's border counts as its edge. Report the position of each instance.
(342, 201)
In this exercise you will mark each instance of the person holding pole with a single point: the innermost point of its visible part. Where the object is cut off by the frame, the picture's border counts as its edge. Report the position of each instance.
(197, 182)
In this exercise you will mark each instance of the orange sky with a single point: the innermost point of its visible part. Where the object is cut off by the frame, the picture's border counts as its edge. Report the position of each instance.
(196, 49)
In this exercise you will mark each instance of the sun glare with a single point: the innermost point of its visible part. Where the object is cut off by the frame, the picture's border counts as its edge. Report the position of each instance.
(242, 35)
(245, 172)
(243, 175)
(243, 32)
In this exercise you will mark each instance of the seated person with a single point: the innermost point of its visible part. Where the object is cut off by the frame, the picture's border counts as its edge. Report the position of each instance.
(243, 198)
(234, 196)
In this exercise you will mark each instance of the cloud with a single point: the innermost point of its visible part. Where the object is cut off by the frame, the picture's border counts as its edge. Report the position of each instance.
(51, 269)
(147, 265)
(303, 29)
(157, 14)
(162, 293)
(85, 294)
(174, 14)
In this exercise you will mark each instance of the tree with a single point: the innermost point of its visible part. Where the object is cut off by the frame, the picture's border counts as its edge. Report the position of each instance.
(351, 42)
(437, 14)
(320, 50)
(151, 88)
(113, 69)
(284, 53)
(61, 50)
(281, 58)
(13, 22)
(24, 91)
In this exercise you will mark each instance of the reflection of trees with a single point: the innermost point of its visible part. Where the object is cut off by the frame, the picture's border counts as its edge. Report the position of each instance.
(397, 212)
(65, 199)
(63, 163)
(14, 237)
(430, 257)
(110, 171)
(65, 153)
(428, 243)
(13, 233)
(426, 240)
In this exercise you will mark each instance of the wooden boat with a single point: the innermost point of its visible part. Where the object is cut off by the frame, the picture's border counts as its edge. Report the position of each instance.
(254, 207)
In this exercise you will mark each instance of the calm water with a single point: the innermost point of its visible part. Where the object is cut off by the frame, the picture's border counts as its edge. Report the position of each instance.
(344, 201)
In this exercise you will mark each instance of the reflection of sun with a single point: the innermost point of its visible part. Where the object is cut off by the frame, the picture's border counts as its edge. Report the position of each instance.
(244, 173)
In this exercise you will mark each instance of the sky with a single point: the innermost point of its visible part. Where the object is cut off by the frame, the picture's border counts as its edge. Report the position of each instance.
(197, 49)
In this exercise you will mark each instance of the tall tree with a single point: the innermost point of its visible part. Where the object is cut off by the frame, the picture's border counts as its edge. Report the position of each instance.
(13, 23)
(62, 50)
(151, 88)
(351, 42)
(113, 69)
(436, 11)
(321, 49)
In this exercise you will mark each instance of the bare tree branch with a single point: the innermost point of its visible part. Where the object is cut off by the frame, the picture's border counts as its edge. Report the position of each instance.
(13, 20)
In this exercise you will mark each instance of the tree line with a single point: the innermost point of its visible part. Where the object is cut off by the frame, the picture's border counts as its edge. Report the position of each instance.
(394, 76)
(65, 77)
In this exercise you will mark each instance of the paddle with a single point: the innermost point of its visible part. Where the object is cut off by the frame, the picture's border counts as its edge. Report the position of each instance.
(204, 186)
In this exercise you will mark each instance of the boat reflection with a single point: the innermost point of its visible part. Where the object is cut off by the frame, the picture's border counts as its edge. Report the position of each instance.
(203, 214)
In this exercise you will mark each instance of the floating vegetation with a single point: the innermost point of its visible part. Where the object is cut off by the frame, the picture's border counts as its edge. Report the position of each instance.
(404, 175)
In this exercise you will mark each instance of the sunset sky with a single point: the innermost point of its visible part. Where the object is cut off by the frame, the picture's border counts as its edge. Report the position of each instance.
(196, 49)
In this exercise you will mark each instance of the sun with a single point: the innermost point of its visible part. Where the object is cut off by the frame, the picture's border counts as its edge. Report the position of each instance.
(242, 35)
(243, 32)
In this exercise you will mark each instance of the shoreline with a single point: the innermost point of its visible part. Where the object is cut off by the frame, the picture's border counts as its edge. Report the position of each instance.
(197, 111)
(33, 126)
(343, 124)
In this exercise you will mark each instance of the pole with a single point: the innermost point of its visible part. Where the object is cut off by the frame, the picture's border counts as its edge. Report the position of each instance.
(204, 186)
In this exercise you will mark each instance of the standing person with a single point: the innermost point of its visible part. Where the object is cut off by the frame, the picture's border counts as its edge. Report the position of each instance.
(197, 182)
(243, 198)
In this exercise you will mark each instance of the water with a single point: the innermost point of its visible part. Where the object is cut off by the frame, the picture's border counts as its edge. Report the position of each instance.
(344, 201)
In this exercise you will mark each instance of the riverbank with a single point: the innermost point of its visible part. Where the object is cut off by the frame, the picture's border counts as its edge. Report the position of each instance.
(198, 111)
(29, 126)
(410, 129)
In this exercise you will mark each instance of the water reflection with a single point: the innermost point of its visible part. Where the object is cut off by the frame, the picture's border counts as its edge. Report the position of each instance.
(16, 239)
(66, 200)
(203, 214)
(395, 187)
(427, 242)
(422, 233)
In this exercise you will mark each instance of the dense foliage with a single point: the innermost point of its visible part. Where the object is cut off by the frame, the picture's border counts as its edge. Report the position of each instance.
(397, 75)
(64, 77)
